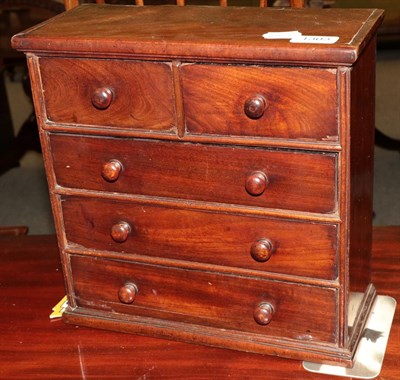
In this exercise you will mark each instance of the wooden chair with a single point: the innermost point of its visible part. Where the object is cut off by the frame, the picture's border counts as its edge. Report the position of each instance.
(16, 15)
(223, 3)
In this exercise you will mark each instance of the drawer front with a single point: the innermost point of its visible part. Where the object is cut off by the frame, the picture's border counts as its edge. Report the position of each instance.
(204, 298)
(254, 243)
(289, 103)
(254, 177)
(110, 93)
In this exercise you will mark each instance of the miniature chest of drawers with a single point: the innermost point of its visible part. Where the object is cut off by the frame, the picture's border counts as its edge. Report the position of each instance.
(208, 184)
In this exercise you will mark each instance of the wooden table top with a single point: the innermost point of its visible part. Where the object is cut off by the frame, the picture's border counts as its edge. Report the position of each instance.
(34, 347)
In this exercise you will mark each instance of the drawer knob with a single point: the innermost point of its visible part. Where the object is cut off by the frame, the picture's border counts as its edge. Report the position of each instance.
(263, 313)
(127, 293)
(262, 250)
(255, 107)
(120, 231)
(102, 98)
(256, 183)
(111, 170)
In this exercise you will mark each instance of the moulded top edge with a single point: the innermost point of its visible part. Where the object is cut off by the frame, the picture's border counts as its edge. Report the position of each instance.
(203, 32)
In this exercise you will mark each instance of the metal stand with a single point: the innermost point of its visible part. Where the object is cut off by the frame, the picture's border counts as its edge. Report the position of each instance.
(372, 346)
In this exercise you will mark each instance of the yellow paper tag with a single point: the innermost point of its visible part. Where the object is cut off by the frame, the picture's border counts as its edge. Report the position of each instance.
(59, 309)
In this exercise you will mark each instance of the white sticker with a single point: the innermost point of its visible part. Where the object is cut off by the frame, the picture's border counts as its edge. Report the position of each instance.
(314, 39)
(281, 35)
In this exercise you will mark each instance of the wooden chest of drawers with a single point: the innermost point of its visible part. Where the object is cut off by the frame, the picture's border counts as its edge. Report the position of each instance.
(208, 184)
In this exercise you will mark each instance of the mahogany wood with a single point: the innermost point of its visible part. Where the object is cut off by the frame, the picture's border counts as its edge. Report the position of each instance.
(308, 249)
(200, 298)
(262, 250)
(132, 98)
(256, 183)
(237, 39)
(14, 230)
(217, 100)
(34, 347)
(102, 97)
(120, 231)
(255, 107)
(111, 170)
(174, 241)
(127, 293)
(293, 179)
(362, 111)
(263, 313)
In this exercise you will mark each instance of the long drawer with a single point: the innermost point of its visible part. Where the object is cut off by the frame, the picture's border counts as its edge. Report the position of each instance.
(274, 102)
(278, 179)
(203, 298)
(112, 93)
(254, 243)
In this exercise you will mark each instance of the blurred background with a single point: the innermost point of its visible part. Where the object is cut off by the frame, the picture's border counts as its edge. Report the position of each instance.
(24, 196)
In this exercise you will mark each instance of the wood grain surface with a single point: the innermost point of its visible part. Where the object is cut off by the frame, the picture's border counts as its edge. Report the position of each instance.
(202, 298)
(186, 32)
(233, 183)
(301, 103)
(34, 347)
(300, 248)
(199, 172)
(142, 93)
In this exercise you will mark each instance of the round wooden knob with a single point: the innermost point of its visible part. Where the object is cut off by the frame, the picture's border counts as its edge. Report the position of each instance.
(111, 170)
(256, 183)
(120, 231)
(127, 293)
(102, 98)
(255, 107)
(262, 250)
(263, 313)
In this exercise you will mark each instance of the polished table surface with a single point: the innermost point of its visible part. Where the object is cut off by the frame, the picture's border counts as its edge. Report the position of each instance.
(34, 347)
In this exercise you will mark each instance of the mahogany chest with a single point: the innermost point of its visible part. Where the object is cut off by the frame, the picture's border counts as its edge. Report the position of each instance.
(208, 183)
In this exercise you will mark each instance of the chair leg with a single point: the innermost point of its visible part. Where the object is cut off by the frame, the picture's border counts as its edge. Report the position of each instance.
(386, 142)
(27, 139)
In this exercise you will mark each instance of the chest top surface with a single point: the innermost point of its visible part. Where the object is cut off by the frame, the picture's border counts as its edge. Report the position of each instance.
(203, 33)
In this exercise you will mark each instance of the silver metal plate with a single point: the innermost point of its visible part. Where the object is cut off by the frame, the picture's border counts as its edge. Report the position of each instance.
(372, 346)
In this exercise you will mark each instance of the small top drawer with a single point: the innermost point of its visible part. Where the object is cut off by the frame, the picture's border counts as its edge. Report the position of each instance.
(124, 94)
(274, 102)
